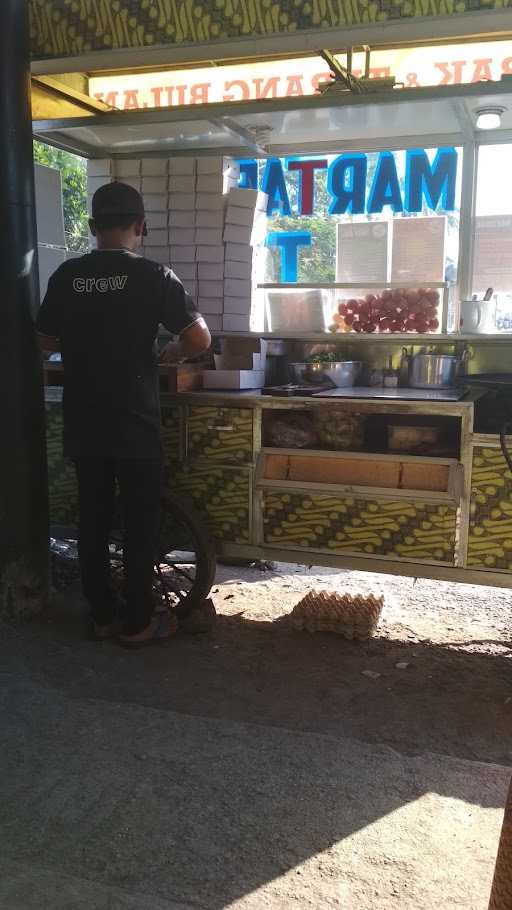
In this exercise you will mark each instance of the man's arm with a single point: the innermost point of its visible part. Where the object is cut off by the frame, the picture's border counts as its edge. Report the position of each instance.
(179, 315)
(195, 339)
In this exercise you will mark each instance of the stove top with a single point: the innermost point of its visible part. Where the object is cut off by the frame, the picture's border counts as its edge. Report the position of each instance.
(396, 394)
(290, 390)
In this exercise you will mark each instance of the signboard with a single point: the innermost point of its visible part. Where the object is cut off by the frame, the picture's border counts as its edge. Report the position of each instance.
(293, 78)
(493, 253)
(418, 250)
(362, 252)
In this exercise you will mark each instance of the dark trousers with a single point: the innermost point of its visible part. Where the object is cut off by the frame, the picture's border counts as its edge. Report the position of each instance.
(139, 482)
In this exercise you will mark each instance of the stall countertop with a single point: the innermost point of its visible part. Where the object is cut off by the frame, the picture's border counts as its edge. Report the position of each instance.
(255, 396)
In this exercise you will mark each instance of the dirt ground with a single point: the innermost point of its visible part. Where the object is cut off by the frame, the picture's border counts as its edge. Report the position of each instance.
(455, 639)
(258, 767)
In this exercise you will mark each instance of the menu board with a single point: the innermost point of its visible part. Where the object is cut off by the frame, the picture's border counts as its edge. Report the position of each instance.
(492, 266)
(362, 252)
(419, 250)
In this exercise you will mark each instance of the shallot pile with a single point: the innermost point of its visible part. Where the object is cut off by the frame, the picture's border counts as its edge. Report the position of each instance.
(398, 310)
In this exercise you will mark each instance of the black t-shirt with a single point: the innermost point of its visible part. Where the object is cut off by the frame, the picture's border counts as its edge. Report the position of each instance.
(105, 308)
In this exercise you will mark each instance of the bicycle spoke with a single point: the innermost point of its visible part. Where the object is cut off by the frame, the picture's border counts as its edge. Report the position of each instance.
(179, 571)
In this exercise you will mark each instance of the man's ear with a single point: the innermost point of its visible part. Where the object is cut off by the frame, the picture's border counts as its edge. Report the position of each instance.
(92, 226)
(140, 224)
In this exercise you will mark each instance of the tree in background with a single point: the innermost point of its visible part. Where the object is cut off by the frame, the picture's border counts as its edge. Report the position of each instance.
(74, 192)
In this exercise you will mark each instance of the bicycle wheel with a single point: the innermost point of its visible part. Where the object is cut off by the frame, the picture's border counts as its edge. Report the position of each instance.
(186, 569)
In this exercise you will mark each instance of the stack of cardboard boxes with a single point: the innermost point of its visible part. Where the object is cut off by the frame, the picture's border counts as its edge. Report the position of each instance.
(201, 224)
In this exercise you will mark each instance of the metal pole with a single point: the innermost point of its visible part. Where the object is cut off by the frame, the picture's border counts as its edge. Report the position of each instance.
(23, 478)
(501, 895)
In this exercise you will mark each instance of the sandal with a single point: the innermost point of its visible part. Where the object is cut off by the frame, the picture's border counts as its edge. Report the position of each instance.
(165, 628)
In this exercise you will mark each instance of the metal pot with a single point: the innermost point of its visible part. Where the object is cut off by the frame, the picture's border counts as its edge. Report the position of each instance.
(433, 371)
(344, 374)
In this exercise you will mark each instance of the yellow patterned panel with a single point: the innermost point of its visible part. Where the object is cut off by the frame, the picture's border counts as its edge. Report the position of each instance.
(62, 486)
(221, 494)
(62, 28)
(490, 528)
(410, 530)
(223, 435)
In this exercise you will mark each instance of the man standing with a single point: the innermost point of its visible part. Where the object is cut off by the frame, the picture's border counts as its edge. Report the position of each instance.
(102, 311)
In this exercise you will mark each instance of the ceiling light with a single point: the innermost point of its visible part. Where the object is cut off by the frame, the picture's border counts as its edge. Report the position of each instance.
(489, 118)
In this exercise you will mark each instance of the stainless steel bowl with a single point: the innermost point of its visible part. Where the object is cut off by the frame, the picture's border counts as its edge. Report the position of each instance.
(344, 374)
(307, 372)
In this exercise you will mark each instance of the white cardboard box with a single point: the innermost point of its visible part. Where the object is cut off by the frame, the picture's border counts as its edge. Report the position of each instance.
(209, 165)
(129, 167)
(190, 286)
(155, 203)
(210, 271)
(237, 287)
(244, 198)
(183, 201)
(238, 252)
(158, 254)
(135, 182)
(237, 306)
(155, 220)
(94, 183)
(159, 237)
(236, 214)
(208, 236)
(214, 323)
(208, 305)
(99, 167)
(179, 236)
(211, 289)
(155, 167)
(210, 253)
(241, 270)
(210, 183)
(237, 233)
(233, 379)
(182, 184)
(154, 184)
(231, 323)
(242, 354)
(182, 166)
(185, 271)
(183, 253)
(182, 218)
(210, 202)
(209, 219)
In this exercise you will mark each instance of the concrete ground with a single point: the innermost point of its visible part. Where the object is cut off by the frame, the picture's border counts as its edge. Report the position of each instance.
(255, 767)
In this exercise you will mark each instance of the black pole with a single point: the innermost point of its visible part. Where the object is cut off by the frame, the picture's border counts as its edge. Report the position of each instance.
(23, 481)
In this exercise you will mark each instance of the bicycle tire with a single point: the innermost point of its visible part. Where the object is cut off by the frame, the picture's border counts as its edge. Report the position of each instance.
(206, 562)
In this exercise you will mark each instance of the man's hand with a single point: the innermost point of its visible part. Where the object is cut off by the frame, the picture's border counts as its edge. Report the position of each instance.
(194, 340)
(172, 353)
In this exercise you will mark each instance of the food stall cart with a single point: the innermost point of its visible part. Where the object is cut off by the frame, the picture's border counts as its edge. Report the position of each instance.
(358, 499)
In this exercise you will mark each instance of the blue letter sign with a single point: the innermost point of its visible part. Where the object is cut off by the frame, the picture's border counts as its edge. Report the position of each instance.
(347, 198)
(385, 187)
(433, 183)
(289, 243)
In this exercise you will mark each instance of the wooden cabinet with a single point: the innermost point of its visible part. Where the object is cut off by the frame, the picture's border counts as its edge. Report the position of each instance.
(62, 485)
(223, 435)
(222, 494)
(404, 529)
(490, 524)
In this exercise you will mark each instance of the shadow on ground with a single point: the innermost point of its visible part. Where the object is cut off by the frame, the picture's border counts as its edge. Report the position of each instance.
(200, 771)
